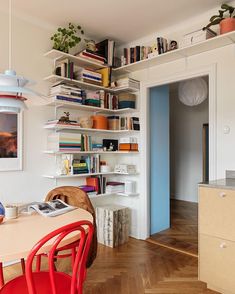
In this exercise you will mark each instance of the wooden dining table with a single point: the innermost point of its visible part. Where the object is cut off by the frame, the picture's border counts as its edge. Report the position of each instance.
(19, 235)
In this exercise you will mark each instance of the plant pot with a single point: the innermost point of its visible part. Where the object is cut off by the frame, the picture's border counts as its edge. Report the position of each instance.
(227, 25)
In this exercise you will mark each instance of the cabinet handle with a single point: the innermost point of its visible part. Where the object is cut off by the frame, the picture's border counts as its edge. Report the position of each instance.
(222, 194)
(223, 245)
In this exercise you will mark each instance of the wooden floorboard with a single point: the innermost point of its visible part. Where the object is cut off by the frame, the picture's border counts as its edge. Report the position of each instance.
(183, 233)
(137, 267)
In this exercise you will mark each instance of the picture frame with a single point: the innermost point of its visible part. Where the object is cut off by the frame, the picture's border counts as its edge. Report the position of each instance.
(11, 142)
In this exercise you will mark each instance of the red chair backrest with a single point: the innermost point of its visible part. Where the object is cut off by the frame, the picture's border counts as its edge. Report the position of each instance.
(85, 229)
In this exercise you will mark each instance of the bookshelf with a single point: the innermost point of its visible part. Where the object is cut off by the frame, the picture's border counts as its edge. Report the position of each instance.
(90, 152)
(57, 55)
(74, 105)
(111, 157)
(62, 127)
(207, 45)
(86, 175)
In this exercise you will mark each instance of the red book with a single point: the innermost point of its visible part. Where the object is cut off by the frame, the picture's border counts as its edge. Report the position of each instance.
(93, 56)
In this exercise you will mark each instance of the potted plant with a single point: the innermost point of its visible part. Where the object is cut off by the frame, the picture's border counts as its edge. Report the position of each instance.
(66, 38)
(225, 18)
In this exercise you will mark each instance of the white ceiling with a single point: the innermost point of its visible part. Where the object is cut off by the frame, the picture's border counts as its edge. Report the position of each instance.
(123, 20)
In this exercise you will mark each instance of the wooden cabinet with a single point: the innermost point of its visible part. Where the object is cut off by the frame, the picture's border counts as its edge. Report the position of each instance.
(217, 238)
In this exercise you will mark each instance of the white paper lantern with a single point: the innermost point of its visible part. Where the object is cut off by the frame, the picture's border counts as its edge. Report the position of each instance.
(193, 92)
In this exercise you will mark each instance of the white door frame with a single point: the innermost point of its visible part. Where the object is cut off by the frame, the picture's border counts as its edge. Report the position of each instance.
(144, 203)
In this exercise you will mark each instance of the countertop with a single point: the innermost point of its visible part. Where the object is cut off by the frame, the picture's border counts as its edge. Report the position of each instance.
(220, 184)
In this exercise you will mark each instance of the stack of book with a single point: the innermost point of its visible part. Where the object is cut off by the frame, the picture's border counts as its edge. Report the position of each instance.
(90, 190)
(65, 92)
(129, 123)
(92, 56)
(127, 83)
(65, 68)
(86, 143)
(93, 98)
(55, 122)
(126, 100)
(97, 147)
(110, 101)
(162, 45)
(115, 187)
(90, 76)
(105, 49)
(64, 142)
(135, 54)
(98, 183)
(80, 166)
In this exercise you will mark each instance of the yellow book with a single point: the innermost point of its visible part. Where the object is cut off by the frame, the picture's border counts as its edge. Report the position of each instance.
(105, 76)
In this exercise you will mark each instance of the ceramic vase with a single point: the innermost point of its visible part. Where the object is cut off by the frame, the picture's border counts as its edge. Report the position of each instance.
(227, 25)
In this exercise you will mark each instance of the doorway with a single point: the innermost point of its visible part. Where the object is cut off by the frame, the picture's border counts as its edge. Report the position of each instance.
(179, 160)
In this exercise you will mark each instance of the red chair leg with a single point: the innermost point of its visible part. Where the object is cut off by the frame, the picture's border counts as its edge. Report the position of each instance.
(1, 276)
(22, 265)
(73, 255)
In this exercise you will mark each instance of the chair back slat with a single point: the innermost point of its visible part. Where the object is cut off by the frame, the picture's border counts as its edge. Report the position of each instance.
(85, 230)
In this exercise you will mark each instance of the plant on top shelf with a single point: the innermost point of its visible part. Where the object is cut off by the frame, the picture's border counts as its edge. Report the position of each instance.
(66, 38)
(225, 18)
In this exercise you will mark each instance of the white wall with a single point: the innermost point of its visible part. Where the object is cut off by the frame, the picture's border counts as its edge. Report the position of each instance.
(186, 146)
(29, 44)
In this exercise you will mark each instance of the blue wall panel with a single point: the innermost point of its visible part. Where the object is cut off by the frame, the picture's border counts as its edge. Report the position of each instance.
(160, 173)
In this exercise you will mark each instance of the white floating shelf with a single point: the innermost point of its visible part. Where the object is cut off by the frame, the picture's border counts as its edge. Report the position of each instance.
(128, 194)
(123, 89)
(79, 61)
(90, 152)
(55, 78)
(83, 175)
(207, 45)
(74, 105)
(76, 128)
(113, 194)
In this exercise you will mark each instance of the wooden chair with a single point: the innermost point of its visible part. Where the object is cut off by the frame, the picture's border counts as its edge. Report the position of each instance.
(52, 281)
(76, 197)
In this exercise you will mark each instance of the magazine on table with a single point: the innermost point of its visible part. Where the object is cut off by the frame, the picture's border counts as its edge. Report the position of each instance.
(51, 208)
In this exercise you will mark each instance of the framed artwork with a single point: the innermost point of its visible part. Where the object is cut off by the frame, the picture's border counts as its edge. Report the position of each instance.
(11, 139)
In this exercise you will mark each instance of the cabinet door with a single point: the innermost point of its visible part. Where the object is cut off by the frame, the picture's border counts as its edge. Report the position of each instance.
(217, 263)
(217, 213)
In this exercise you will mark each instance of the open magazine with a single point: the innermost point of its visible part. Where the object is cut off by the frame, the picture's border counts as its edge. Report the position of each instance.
(52, 208)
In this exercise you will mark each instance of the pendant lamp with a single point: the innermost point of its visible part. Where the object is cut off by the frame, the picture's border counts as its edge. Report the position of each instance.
(12, 86)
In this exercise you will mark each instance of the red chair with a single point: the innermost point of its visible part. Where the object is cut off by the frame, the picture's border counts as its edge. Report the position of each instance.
(1, 271)
(52, 281)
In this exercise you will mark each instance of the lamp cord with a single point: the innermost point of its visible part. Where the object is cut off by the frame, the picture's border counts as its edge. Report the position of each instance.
(10, 34)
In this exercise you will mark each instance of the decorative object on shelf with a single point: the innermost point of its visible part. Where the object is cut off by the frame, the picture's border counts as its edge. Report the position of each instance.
(66, 38)
(196, 37)
(125, 168)
(173, 45)
(65, 118)
(193, 92)
(110, 145)
(86, 122)
(113, 122)
(100, 122)
(129, 187)
(12, 86)
(90, 45)
(2, 212)
(225, 18)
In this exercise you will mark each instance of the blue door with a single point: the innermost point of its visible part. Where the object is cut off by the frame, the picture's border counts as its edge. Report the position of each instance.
(159, 159)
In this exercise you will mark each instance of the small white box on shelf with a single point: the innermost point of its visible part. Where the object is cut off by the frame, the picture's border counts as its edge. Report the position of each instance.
(125, 168)
(128, 140)
(196, 37)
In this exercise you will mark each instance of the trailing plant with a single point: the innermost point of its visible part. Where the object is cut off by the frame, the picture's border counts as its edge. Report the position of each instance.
(216, 19)
(66, 38)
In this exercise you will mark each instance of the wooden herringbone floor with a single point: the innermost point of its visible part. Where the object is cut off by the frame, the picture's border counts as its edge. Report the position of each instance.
(138, 267)
(183, 233)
